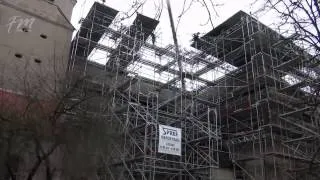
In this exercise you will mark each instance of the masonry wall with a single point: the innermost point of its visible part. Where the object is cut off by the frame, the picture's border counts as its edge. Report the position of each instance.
(66, 7)
(34, 49)
(35, 38)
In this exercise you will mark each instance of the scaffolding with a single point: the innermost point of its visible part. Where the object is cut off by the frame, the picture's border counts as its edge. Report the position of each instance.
(240, 110)
(139, 87)
(268, 126)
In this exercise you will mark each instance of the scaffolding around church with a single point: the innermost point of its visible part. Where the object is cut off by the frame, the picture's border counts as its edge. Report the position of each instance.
(244, 107)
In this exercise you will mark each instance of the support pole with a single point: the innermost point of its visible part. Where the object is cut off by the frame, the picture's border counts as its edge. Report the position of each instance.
(175, 40)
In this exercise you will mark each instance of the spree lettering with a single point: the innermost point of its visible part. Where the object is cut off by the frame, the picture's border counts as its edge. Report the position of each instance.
(171, 132)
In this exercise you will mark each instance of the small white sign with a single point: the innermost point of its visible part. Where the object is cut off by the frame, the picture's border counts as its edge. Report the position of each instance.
(169, 140)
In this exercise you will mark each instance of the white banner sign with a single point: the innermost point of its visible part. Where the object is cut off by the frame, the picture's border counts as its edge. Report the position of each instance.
(169, 140)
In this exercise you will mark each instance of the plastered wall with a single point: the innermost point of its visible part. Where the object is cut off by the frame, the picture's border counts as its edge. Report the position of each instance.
(34, 46)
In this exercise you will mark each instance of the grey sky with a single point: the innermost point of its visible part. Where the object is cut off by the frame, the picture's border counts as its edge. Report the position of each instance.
(193, 21)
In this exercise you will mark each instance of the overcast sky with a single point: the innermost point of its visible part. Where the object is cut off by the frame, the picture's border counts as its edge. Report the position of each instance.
(194, 20)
